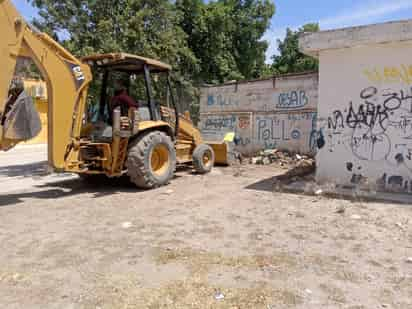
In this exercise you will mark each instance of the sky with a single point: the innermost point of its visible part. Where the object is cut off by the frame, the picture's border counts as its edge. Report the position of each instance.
(330, 14)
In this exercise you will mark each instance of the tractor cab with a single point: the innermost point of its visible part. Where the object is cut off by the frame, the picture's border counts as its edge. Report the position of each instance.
(139, 86)
(132, 125)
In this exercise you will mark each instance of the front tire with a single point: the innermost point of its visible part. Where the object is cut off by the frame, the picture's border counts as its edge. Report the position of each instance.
(151, 160)
(203, 159)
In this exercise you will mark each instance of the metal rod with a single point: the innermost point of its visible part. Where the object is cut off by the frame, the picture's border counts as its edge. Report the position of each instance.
(152, 107)
(103, 95)
(169, 84)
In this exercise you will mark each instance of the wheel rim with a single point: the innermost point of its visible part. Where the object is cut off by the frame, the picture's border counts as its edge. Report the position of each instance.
(207, 158)
(160, 159)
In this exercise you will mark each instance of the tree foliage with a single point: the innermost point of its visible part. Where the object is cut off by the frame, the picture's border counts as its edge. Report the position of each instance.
(205, 42)
(147, 28)
(290, 59)
(209, 42)
(226, 36)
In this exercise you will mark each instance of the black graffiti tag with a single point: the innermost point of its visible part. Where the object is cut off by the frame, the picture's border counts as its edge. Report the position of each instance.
(336, 121)
(374, 116)
(367, 114)
(370, 114)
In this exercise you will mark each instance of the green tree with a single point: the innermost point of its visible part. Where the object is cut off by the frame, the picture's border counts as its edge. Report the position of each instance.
(204, 42)
(251, 19)
(226, 36)
(290, 59)
(143, 27)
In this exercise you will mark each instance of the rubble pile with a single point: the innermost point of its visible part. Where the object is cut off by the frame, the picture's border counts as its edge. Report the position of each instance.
(282, 158)
(296, 164)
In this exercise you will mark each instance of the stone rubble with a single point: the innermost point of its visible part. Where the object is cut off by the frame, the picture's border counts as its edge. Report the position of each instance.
(296, 164)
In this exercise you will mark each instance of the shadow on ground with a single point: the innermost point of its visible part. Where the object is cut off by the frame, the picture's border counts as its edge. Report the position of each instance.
(267, 184)
(274, 183)
(69, 187)
(308, 187)
(99, 186)
(25, 170)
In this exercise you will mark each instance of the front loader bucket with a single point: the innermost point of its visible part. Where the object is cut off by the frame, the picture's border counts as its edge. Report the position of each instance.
(225, 153)
(221, 152)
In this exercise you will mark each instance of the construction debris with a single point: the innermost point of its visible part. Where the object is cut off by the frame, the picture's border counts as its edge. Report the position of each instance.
(297, 165)
(283, 159)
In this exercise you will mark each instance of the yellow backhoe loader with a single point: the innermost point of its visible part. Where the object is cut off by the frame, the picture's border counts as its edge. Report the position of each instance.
(88, 133)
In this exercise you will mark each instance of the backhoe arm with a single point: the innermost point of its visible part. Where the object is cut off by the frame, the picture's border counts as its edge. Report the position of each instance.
(66, 77)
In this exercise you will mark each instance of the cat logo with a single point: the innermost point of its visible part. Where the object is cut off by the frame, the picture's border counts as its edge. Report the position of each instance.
(78, 73)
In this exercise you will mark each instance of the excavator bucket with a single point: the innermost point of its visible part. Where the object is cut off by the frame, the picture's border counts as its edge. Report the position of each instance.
(9, 44)
(20, 121)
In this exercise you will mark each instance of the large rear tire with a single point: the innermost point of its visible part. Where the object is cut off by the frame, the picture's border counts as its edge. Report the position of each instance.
(151, 160)
(203, 159)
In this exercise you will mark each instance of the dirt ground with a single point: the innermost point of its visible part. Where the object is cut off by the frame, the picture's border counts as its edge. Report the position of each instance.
(225, 240)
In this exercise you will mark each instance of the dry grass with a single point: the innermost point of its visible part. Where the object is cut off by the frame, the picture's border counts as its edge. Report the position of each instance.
(14, 278)
(196, 292)
(334, 293)
(199, 262)
(199, 295)
(191, 293)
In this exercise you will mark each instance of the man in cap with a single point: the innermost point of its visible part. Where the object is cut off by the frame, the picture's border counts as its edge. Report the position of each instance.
(121, 98)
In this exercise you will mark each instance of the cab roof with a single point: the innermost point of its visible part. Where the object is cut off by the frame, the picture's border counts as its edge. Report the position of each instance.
(125, 62)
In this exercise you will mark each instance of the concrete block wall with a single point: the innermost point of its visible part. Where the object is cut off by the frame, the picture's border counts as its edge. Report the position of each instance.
(274, 113)
(365, 106)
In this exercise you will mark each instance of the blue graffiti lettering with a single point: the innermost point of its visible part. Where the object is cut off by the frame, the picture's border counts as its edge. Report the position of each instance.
(220, 100)
(296, 134)
(273, 129)
(220, 122)
(293, 99)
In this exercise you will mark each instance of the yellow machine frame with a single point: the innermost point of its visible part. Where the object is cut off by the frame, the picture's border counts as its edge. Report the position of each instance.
(68, 80)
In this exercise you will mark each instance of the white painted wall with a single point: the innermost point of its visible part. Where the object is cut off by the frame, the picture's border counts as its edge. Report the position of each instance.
(372, 142)
(273, 113)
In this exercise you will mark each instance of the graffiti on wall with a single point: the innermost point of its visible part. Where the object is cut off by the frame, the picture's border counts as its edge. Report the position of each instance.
(219, 122)
(244, 122)
(285, 129)
(316, 139)
(221, 100)
(269, 101)
(217, 126)
(376, 127)
(291, 131)
(293, 99)
(273, 113)
(390, 74)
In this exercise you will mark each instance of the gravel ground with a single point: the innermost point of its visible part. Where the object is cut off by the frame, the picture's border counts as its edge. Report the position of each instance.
(224, 240)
